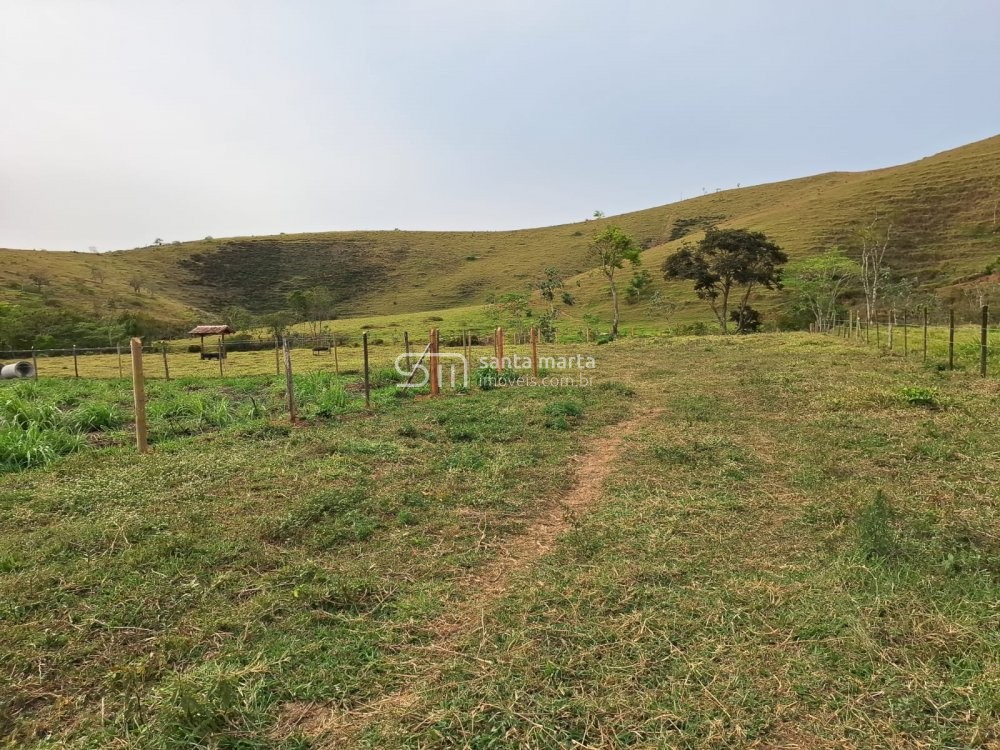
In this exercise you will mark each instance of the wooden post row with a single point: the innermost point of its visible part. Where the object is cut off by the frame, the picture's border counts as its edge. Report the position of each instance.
(289, 382)
(984, 341)
(534, 351)
(139, 396)
(906, 336)
(166, 366)
(925, 333)
(364, 345)
(951, 339)
(434, 363)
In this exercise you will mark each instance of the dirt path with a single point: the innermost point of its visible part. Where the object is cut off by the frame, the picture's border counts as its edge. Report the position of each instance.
(332, 727)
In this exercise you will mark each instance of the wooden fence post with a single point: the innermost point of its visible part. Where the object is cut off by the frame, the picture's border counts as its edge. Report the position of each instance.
(166, 367)
(534, 351)
(951, 339)
(925, 333)
(121, 373)
(500, 349)
(277, 356)
(34, 364)
(984, 342)
(289, 382)
(406, 348)
(76, 369)
(364, 345)
(222, 355)
(906, 337)
(336, 357)
(435, 383)
(139, 395)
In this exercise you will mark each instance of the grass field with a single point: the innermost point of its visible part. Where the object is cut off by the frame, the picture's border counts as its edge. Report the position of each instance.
(942, 209)
(387, 334)
(772, 541)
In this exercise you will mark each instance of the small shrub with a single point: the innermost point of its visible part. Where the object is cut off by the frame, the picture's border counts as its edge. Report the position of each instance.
(563, 409)
(331, 402)
(917, 396)
(557, 423)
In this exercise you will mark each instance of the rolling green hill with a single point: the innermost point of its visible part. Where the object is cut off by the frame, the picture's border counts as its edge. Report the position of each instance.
(944, 210)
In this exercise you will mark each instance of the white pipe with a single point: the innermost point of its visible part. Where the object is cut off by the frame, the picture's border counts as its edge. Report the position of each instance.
(16, 370)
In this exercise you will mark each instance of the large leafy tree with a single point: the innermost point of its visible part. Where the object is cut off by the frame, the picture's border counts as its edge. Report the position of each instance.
(613, 248)
(727, 261)
(818, 283)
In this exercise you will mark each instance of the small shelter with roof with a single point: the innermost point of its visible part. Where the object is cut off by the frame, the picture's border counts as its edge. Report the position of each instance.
(219, 331)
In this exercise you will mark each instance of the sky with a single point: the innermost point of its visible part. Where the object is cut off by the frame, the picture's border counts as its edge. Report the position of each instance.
(126, 121)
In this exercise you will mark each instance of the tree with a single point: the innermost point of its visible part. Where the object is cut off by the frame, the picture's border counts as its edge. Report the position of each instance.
(874, 242)
(40, 279)
(640, 282)
(899, 296)
(726, 260)
(508, 310)
(277, 323)
(136, 281)
(236, 317)
(314, 306)
(747, 321)
(817, 284)
(553, 286)
(613, 248)
(553, 290)
(158, 241)
(981, 292)
(97, 273)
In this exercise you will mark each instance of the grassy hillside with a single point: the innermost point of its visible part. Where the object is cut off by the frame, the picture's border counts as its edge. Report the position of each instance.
(943, 208)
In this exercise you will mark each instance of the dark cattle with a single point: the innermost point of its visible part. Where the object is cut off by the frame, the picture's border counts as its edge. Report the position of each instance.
(210, 355)
(321, 349)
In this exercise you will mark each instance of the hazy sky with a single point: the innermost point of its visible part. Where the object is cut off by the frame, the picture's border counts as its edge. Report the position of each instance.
(126, 121)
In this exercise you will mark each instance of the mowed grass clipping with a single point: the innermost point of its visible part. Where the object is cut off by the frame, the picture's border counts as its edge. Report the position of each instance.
(795, 553)
(797, 548)
(180, 599)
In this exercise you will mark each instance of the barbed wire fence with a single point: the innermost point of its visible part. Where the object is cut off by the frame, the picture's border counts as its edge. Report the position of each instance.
(948, 339)
(358, 364)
